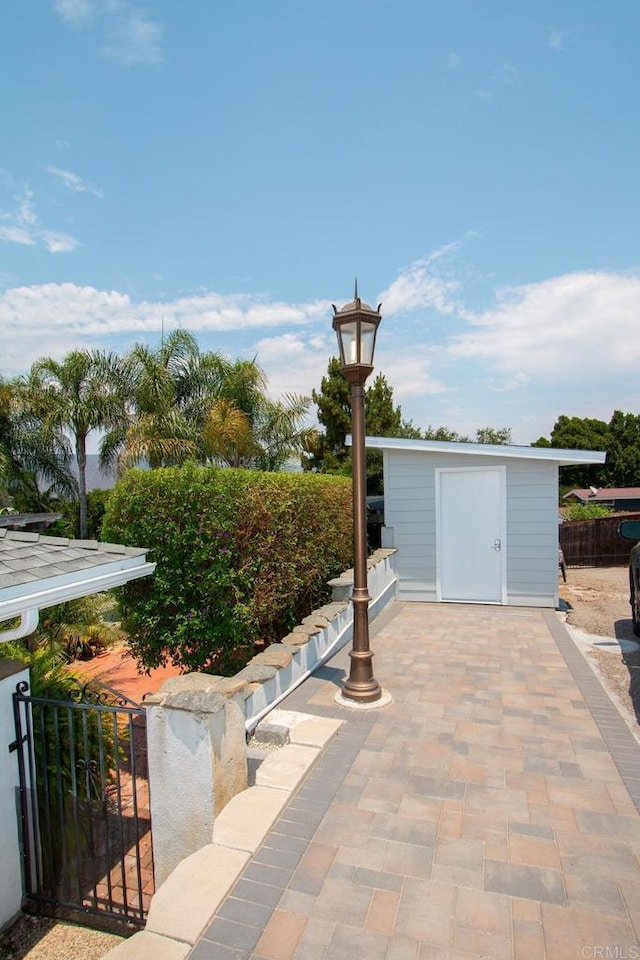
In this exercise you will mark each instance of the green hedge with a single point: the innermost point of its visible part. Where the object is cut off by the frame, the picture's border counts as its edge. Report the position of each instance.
(241, 557)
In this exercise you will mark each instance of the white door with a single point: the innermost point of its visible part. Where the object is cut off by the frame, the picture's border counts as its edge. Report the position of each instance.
(470, 531)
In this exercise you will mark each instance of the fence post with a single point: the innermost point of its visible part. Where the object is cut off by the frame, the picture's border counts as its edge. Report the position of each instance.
(197, 761)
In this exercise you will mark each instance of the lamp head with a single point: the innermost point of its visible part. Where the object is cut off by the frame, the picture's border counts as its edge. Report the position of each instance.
(356, 325)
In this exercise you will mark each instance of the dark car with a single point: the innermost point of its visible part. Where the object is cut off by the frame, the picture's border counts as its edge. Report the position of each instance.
(375, 521)
(630, 530)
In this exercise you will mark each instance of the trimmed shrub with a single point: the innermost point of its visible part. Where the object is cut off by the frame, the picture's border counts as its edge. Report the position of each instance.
(241, 557)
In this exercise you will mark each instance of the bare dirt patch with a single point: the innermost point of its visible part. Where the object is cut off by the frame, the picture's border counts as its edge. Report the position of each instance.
(598, 602)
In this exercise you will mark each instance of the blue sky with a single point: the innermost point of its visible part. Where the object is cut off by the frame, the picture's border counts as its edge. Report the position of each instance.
(231, 167)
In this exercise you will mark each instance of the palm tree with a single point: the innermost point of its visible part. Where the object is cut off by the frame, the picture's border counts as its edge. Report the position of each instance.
(173, 387)
(30, 453)
(190, 405)
(246, 428)
(86, 391)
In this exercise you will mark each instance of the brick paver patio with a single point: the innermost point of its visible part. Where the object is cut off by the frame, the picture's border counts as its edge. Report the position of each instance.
(487, 812)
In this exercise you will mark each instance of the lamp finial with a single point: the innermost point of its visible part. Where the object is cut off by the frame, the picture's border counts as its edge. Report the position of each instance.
(355, 290)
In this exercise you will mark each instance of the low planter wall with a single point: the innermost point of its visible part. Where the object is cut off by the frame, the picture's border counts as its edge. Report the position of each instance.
(197, 723)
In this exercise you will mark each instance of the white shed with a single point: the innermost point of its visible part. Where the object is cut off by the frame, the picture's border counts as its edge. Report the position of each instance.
(473, 522)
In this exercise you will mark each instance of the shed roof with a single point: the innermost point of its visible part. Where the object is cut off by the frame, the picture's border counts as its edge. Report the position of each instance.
(509, 451)
(38, 571)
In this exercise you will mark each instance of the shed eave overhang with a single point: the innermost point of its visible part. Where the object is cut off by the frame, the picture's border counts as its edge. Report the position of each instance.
(505, 451)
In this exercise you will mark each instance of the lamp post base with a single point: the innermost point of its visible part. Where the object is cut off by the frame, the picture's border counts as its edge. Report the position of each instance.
(383, 700)
(361, 685)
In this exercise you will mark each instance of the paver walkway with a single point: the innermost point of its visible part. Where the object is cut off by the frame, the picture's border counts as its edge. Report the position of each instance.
(482, 814)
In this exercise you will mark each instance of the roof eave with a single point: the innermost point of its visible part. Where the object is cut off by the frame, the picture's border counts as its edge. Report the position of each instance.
(510, 451)
(62, 588)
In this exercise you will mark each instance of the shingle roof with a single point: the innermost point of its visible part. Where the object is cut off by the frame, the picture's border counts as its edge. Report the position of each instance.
(28, 521)
(27, 557)
(40, 571)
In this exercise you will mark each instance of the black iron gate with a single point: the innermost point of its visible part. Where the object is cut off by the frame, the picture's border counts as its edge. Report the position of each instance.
(84, 802)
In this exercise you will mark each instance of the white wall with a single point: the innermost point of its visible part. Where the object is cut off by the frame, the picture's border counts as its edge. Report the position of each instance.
(532, 523)
(197, 762)
(11, 673)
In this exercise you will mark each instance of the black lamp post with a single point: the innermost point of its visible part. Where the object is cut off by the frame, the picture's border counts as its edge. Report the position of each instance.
(356, 325)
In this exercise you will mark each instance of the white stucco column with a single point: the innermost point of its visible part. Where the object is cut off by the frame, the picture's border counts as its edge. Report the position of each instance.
(197, 762)
(11, 673)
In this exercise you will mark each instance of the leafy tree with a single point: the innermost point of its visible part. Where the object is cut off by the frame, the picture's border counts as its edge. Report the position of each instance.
(383, 419)
(500, 435)
(622, 468)
(483, 435)
(444, 433)
(578, 433)
(86, 391)
(69, 524)
(326, 452)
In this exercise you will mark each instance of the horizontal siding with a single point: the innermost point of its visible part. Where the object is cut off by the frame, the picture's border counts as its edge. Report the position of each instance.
(532, 533)
(525, 530)
(522, 551)
(531, 519)
(410, 510)
(527, 506)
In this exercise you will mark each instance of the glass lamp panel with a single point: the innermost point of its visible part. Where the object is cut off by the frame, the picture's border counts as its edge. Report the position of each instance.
(367, 342)
(348, 342)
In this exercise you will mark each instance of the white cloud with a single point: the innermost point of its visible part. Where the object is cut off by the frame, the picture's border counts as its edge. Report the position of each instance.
(58, 242)
(574, 327)
(17, 235)
(409, 371)
(454, 60)
(508, 383)
(564, 344)
(126, 34)
(74, 182)
(73, 11)
(556, 40)
(38, 314)
(22, 225)
(135, 39)
(25, 212)
(506, 73)
(295, 362)
(419, 286)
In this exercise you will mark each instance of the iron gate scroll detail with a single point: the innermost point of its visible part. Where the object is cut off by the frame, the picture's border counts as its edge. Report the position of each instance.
(84, 801)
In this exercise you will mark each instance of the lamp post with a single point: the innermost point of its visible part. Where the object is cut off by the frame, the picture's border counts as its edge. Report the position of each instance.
(356, 325)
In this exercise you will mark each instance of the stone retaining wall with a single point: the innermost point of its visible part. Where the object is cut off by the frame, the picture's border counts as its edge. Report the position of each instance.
(197, 723)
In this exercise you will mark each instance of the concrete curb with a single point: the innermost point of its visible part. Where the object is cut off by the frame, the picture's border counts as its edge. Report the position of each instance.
(145, 945)
(183, 906)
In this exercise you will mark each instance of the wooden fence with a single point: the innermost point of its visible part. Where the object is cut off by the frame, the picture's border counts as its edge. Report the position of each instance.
(595, 543)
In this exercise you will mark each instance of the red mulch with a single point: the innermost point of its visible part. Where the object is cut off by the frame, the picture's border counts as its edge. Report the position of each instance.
(119, 670)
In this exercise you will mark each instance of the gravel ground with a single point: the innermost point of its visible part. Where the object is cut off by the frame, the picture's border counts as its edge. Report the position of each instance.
(598, 604)
(37, 938)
